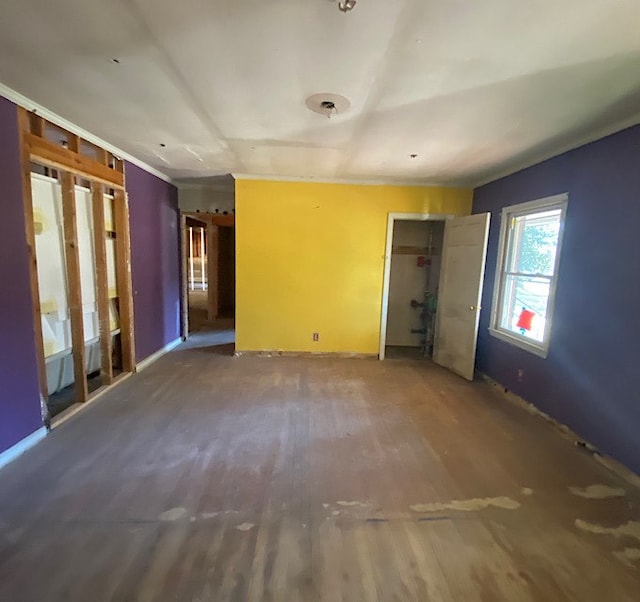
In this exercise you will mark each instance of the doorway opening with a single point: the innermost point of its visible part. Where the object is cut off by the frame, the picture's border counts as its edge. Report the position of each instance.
(411, 277)
(209, 279)
(197, 274)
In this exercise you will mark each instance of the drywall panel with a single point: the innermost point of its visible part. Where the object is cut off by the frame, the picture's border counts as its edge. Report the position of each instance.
(207, 199)
(310, 258)
(155, 260)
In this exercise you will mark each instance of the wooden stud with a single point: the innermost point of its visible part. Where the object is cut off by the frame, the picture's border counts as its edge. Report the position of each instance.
(102, 156)
(23, 123)
(48, 153)
(213, 252)
(74, 287)
(184, 284)
(73, 141)
(102, 281)
(123, 278)
(35, 122)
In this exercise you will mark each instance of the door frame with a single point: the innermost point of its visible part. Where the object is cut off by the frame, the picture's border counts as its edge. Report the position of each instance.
(391, 219)
(184, 270)
(212, 222)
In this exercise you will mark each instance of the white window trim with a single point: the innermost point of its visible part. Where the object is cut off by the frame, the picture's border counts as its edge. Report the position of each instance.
(558, 201)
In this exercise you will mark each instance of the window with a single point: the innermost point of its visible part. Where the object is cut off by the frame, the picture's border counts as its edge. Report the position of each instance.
(526, 274)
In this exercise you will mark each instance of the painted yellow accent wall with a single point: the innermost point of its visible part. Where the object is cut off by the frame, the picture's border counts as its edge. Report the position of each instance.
(310, 258)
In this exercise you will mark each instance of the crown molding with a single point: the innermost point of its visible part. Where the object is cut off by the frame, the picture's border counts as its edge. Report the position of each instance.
(30, 105)
(355, 181)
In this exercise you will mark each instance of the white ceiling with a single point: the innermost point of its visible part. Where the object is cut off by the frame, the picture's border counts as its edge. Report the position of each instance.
(476, 89)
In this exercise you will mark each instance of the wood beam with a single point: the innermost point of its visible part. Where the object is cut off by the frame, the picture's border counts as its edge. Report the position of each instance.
(23, 124)
(213, 218)
(102, 281)
(223, 220)
(213, 253)
(48, 153)
(74, 287)
(123, 278)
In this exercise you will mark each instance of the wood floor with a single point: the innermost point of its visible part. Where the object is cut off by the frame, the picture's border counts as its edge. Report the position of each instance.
(211, 478)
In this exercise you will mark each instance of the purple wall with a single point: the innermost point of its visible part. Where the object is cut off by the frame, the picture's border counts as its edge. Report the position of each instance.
(155, 260)
(590, 380)
(19, 395)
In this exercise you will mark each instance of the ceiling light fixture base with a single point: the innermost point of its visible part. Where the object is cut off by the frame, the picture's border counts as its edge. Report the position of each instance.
(327, 104)
(347, 5)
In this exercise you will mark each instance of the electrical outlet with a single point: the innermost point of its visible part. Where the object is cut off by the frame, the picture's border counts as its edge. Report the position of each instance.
(316, 337)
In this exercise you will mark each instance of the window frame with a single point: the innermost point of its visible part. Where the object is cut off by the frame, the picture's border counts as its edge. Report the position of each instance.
(539, 348)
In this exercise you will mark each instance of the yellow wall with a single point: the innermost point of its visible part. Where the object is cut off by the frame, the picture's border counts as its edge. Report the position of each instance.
(310, 258)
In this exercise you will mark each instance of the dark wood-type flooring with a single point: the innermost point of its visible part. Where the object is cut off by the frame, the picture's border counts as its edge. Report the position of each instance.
(211, 478)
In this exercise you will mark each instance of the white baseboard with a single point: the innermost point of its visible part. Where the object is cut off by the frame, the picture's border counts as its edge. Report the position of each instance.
(22, 446)
(145, 363)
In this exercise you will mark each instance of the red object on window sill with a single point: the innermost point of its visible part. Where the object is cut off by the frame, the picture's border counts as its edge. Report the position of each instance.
(525, 320)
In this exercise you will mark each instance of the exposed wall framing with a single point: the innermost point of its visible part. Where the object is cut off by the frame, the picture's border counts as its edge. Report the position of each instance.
(102, 284)
(69, 158)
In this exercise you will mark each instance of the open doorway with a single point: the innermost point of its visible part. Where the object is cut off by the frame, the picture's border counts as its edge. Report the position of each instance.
(196, 274)
(412, 273)
(413, 288)
(209, 278)
(453, 262)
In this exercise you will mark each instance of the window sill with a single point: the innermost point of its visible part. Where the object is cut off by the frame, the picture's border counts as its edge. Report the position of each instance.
(522, 343)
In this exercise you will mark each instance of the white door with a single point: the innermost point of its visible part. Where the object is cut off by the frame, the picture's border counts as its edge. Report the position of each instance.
(460, 291)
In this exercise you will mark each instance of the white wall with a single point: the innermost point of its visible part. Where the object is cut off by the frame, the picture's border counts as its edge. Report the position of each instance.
(207, 197)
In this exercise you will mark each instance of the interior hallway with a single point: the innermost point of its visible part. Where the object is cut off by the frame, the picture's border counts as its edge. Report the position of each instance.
(207, 477)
